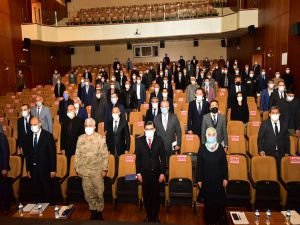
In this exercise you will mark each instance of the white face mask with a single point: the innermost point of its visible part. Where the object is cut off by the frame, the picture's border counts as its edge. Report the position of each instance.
(263, 73)
(114, 101)
(155, 105)
(156, 90)
(193, 82)
(149, 133)
(274, 117)
(89, 130)
(71, 115)
(277, 75)
(25, 114)
(98, 95)
(287, 71)
(35, 128)
(289, 98)
(102, 80)
(206, 83)
(134, 77)
(165, 81)
(165, 95)
(112, 86)
(138, 81)
(113, 79)
(39, 104)
(199, 98)
(251, 74)
(115, 116)
(281, 88)
(82, 81)
(127, 86)
(76, 105)
(239, 99)
(86, 83)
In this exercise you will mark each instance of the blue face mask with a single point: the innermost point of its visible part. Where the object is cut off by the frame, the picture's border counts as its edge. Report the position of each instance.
(66, 96)
(164, 110)
(211, 139)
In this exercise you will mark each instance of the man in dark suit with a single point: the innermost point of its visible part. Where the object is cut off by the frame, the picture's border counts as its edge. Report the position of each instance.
(256, 68)
(63, 106)
(87, 75)
(114, 102)
(289, 79)
(116, 62)
(59, 89)
(278, 96)
(129, 99)
(87, 93)
(168, 127)
(157, 92)
(181, 63)
(150, 167)
(140, 90)
(206, 63)
(262, 80)
(225, 79)
(167, 86)
(152, 72)
(153, 111)
(180, 81)
(71, 128)
(273, 137)
(5, 195)
(194, 62)
(98, 107)
(197, 109)
(121, 79)
(80, 112)
(23, 126)
(235, 88)
(80, 87)
(40, 160)
(117, 134)
(216, 120)
(166, 61)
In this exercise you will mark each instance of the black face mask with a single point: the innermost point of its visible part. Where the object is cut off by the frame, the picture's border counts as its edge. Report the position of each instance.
(214, 110)
(238, 83)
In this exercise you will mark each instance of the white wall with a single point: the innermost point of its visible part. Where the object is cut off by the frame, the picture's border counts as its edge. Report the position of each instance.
(86, 55)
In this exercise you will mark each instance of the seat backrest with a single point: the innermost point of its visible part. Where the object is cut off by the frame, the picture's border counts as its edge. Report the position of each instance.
(180, 166)
(126, 165)
(15, 163)
(190, 143)
(132, 144)
(293, 145)
(235, 128)
(290, 168)
(237, 167)
(143, 108)
(111, 166)
(61, 166)
(263, 168)
(253, 148)
(253, 127)
(135, 117)
(12, 145)
(72, 171)
(138, 128)
(236, 144)
(56, 131)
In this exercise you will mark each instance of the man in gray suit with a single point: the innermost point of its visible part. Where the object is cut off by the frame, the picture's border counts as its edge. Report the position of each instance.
(216, 120)
(168, 127)
(43, 113)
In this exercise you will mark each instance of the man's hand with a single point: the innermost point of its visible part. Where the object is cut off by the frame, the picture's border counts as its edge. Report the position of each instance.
(226, 149)
(28, 174)
(190, 132)
(225, 182)
(63, 152)
(297, 133)
(262, 153)
(126, 152)
(140, 178)
(103, 173)
(177, 148)
(20, 151)
(4, 173)
(286, 154)
(161, 178)
(52, 174)
(200, 184)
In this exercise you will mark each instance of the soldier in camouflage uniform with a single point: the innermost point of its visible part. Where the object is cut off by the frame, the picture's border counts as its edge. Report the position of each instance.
(91, 164)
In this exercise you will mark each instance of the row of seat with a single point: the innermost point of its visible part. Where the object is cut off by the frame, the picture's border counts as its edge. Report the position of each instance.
(244, 187)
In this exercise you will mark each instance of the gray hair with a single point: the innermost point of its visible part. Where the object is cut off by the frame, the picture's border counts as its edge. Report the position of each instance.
(90, 121)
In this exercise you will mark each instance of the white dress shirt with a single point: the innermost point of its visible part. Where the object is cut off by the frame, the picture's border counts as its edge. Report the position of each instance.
(38, 136)
(138, 91)
(165, 120)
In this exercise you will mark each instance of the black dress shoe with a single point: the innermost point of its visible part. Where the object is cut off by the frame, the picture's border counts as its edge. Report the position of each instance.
(93, 215)
(99, 216)
(157, 220)
(147, 220)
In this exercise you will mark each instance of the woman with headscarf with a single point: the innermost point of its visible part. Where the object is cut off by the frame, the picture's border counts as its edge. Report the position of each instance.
(212, 178)
(5, 196)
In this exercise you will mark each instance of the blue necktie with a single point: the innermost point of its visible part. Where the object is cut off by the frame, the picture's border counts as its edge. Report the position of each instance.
(35, 141)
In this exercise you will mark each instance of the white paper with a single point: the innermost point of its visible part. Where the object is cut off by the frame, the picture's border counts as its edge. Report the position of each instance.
(174, 144)
(28, 207)
(284, 58)
(35, 208)
(295, 217)
(242, 219)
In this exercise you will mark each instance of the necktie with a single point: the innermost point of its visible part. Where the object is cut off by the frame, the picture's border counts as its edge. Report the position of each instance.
(35, 142)
(214, 121)
(38, 111)
(282, 95)
(276, 129)
(154, 112)
(58, 89)
(25, 127)
(149, 143)
(226, 81)
(199, 107)
(115, 127)
(206, 91)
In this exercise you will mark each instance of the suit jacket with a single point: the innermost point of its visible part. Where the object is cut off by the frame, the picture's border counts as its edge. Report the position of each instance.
(222, 80)
(82, 114)
(232, 94)
(150, 160)
(44, 157)
(221, 128)
(45, 117)
(267, 140)
(88, 75)
(70, 131)
(142, 91)
(79, 89)
(173, 132)
(99, 109)
(264, 100)
(63, 108)
(108, 114)
(122, 82)
(4, 152)
(129, 99)
(150, 116)
(210, 95)
(275, 99)
(87, 97)
(59, 93)
(159, 96)
(119, 141)
(170, 90)
(262, 83)
(194, 118)
(180, 84)
(22, 134)
(256, 69)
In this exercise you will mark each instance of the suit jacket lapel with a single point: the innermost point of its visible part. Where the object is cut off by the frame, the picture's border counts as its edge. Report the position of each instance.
(271, 127)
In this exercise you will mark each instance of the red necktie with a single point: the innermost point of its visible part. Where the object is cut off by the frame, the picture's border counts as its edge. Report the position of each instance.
(149, 143)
